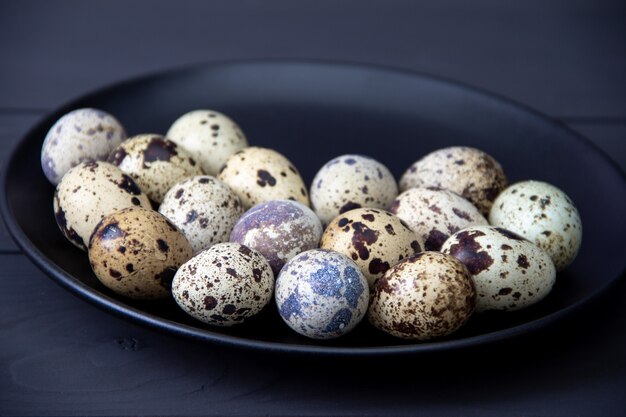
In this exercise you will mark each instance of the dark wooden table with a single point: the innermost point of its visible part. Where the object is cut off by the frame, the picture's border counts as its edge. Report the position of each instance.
(62, 356)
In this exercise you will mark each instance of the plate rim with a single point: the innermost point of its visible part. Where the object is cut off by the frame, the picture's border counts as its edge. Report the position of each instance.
(134, 315)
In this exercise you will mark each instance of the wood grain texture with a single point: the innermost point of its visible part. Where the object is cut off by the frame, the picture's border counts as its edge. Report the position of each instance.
(566, 58)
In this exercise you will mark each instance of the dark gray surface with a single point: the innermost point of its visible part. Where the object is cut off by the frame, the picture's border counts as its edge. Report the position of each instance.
(61, 356)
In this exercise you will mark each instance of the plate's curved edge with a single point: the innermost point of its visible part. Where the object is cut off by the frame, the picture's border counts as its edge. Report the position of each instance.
(122, 310)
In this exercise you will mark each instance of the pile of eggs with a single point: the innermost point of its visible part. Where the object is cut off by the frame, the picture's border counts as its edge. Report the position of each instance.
(227, 229)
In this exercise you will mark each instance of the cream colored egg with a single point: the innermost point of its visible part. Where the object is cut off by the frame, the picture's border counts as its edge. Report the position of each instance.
(374, 239)
(425, 296)
(434, 214)
(87, 193)
(469, 172)
(224, 285)
(211, 138)
(351, 181)
(155, 162)
(509, 272)
(259, 174)
(136, 252)
(543, 214)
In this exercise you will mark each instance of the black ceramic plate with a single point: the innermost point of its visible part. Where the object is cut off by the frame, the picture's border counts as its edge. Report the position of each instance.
(312, 112)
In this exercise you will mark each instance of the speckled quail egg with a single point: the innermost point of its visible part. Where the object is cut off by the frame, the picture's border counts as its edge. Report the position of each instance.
(543, 214)
(351, 181)
(425, 296)
(87, 193)
(204, 209)
(136, 252)
(211, 137)
(469, 172)
(509, 272)
(156, 163)
(374, 239)
(224, 285)
(261, 174)
(80, 135)
(321, 294)
(279, 230)
(434, 214)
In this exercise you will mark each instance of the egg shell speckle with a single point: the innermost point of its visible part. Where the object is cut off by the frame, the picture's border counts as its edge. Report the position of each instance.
(509, 272)
(374, 239)
(425, 296)
(434, 214)
(279, 230)
(136, 252)
(224, 285)
(469, 172)
(89, 192)
(259, 174)
(156, 163)
(209, 136)
(78, 136)
(204, 209)
(351, 181)
(321, 294)
(543, 214)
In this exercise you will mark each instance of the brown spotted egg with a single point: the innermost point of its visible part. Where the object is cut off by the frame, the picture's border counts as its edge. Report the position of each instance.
(434, 214)
(374, 239)
(224, 285)
(211, 137)
(87, 193)
(80, 135)
(260, 174)
(543, 214)
(509, 272)
(469, 172)
(156, 163)
(279, 230)
(136, 252)
(351, 181)
(425, 296)
(204, 209)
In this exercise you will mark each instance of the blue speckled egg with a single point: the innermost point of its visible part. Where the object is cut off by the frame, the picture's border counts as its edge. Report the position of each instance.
(321, 294)
(279, 230)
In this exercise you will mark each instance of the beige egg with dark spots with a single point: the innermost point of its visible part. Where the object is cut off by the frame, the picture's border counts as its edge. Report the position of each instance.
(135, 252)
(469, 172)
(89, 192)
(435, 214)
(224, 285)
(509, 272)
(211, 137)
(79, 136)
(204, 209)
(426, 296)
(374, 239)
(543, 214)
(156, 163)
(351, 181)
(259, 174)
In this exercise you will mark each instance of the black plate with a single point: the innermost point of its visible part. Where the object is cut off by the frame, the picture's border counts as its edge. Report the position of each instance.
(312, 112)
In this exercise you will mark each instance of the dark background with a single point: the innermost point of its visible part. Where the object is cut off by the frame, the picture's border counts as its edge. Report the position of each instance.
(61, 356)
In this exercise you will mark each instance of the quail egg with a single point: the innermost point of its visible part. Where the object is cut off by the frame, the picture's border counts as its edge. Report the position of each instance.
(211, 137)
(136, 252)
(87, 193)
(543, 214)
(425, 296)
(224, 285)
(80, 135)
(351, 181)
(279, 230)
(509, 272)
(321, 294)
